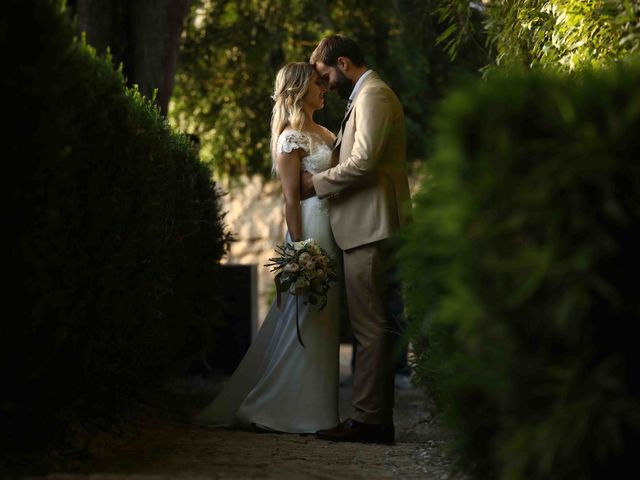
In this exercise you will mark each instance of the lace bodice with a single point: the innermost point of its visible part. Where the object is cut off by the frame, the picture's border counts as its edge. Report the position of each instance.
(318, 156)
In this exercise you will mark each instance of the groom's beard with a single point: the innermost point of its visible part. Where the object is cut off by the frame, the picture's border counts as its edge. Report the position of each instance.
(343, 85)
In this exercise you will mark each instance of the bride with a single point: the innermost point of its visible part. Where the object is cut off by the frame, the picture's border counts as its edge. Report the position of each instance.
(279, 385)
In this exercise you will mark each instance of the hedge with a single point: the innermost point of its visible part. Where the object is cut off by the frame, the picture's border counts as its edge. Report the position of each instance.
(115, 235)
(522, 266)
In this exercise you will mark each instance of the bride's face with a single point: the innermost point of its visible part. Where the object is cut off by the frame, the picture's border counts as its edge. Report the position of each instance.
(314, 98)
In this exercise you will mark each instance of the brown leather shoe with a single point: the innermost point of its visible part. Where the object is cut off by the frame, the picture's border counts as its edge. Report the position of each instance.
(353, 431)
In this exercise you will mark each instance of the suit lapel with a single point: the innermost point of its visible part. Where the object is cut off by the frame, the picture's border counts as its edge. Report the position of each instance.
(338, 141)
(344, 122)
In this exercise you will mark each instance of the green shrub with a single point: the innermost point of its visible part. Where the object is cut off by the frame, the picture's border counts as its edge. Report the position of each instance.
(522, 266)
(114, 228)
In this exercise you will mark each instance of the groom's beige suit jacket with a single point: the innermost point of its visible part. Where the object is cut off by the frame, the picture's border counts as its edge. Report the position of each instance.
(368, 189)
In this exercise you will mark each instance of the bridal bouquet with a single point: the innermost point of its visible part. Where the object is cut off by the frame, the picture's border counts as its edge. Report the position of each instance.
(303, 269)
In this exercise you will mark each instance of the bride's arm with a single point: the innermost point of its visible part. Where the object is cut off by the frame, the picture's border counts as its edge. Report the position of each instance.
(289, 170)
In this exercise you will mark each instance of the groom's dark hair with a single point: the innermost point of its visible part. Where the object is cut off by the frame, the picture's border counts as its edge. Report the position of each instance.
(334, 46)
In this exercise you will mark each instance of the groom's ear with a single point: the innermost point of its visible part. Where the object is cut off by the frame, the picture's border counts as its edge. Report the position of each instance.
(343, 63)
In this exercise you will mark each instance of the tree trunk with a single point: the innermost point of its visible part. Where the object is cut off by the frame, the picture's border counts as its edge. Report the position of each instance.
(144, 35)
(177, 13)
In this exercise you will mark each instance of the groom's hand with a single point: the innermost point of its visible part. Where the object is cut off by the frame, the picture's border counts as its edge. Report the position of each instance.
(307, 189)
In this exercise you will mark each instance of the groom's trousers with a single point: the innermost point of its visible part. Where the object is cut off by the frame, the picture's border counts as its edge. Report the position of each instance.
(369, 276)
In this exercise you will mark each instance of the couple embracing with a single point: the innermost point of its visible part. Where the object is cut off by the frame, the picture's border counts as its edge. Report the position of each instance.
(350, 193)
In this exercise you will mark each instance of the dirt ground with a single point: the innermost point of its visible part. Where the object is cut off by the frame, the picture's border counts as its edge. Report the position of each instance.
(167, 448)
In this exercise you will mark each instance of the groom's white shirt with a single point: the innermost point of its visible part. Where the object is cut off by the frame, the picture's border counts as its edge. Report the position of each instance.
(358, 84)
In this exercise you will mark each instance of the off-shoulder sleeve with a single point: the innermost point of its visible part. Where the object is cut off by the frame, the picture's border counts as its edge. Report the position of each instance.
(292, 139)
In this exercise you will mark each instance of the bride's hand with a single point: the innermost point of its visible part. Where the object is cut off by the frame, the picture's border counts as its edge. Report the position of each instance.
(307, 189)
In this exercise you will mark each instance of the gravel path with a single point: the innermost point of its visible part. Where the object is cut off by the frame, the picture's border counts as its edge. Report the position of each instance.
(164, 448)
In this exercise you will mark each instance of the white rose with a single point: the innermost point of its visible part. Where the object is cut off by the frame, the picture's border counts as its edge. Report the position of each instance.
(304, 258)
(292, 267)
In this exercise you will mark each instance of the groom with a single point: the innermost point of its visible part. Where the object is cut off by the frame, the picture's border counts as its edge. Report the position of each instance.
(369, 201)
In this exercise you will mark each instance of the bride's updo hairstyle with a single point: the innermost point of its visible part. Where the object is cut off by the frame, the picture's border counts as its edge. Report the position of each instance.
(292, 84)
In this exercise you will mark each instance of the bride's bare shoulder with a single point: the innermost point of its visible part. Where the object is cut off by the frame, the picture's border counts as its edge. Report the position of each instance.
(290, 132)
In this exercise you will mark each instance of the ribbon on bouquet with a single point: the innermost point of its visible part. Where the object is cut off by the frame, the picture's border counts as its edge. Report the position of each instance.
(279, 304)
(298, 325)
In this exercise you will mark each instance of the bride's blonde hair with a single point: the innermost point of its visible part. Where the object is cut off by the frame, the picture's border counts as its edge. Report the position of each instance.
(292, 84)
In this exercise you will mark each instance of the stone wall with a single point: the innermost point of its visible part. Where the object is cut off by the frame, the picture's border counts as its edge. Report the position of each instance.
(255, 216)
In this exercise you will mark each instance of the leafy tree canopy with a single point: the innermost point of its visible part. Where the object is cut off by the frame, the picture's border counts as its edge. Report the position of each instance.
(232, 50)
(557, 34)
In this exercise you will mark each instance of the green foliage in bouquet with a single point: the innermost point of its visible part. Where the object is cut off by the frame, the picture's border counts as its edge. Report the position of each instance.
(522, 265)
(114, 235)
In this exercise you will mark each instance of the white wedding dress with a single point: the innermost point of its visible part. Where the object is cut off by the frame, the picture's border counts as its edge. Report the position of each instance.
(279, 385)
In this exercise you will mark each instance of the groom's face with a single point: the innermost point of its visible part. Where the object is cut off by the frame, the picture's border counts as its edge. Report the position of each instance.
(335, 78)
